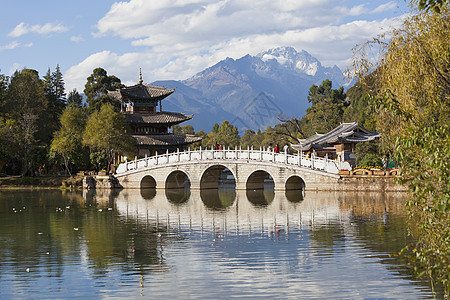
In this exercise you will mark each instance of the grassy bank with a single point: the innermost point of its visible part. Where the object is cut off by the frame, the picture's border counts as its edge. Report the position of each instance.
(40, 182)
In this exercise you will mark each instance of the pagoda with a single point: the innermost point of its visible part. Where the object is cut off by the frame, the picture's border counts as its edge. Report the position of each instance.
(149, 126)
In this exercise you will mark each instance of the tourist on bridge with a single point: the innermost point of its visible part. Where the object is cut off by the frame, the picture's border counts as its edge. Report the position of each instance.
(286, 149)
(270, 148)
(277, 149)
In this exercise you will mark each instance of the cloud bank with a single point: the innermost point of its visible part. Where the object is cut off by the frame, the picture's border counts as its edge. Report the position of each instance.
(174, 39)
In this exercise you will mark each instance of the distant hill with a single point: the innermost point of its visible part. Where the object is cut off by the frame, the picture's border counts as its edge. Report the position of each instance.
(252, 91)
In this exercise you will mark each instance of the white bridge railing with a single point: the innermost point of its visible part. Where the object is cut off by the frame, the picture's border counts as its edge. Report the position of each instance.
(315, 163)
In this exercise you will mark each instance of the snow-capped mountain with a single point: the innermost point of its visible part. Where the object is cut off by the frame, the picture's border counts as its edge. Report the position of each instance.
(251, 92)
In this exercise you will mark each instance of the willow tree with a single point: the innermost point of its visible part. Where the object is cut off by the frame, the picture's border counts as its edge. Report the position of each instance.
(413, 98)
(107, 131)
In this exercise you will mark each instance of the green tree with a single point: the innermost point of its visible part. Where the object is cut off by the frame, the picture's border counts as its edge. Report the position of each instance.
(327, 108)
(184, 129)
(26, 106)
(67, 142)
(97, 86)
(53, 84)
(74, 98)
(106, 130)
(413, 104)
(226, 134)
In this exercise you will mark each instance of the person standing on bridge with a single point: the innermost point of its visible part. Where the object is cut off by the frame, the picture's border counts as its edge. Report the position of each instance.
(286, 149)
(277, 149)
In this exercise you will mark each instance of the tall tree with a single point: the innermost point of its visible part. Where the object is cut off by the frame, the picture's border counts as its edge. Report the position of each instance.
(106, 131)
(414, 116)
(327, 108)
(97, 86)
(67, 142)
(74, 98)
(26, 106)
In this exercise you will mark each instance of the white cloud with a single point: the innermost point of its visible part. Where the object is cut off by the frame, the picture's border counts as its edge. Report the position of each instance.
(15, 44)
(178, 38)
(23, 28)
(14, 68)
(385, 7)
(76, 38)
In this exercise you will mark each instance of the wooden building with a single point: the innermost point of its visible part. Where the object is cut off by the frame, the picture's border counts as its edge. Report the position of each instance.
(150, 126)
(338, 143)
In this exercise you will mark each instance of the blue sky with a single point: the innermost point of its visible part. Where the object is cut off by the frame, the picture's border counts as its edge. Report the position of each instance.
(175, 39)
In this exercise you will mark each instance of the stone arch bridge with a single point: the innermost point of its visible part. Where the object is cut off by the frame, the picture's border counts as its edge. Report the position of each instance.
(247, 169)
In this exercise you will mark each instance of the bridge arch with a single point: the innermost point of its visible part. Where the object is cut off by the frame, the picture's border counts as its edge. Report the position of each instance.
(259, 179)
(212, 176)
(295, 182)
(177, 180)
(148, 182)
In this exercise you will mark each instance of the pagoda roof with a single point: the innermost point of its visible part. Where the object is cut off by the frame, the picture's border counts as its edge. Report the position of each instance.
(166, 139)
(344, 133)
(141, 92)
(163, 117)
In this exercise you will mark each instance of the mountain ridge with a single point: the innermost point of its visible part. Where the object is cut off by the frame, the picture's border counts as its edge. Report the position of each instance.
(251, 92)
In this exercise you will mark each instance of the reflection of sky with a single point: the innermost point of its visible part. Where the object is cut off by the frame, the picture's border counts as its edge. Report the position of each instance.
(308, 249)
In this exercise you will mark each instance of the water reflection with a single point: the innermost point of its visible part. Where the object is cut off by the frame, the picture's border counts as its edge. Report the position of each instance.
(260, 197)
(218, 199)
(262, 243)
(178, 196)
(294, 196)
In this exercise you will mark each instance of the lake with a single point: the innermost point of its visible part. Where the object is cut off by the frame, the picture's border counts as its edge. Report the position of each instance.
(213, 244)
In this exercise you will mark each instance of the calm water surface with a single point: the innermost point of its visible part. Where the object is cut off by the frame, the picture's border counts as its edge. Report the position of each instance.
(203, 245)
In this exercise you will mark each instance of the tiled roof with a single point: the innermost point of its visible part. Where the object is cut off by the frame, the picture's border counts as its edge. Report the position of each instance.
(346, 132)
(163, 117)
(166, 139)
(142, 91)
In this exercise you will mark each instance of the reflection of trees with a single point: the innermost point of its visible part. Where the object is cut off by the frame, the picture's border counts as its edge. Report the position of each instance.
(294, 196)
(218, 199)
(260, 197)
(178, 196)
(54, 225)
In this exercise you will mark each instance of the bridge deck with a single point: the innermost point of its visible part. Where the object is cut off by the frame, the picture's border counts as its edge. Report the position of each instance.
(237, 155)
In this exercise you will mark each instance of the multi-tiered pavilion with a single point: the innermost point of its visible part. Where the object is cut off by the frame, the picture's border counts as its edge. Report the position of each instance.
(150, 127)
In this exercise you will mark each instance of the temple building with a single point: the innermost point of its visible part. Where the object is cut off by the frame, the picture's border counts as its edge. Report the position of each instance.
(338, 143)
(149, 126)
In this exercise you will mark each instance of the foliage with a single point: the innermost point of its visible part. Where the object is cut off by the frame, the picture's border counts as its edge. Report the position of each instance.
(370, 160)
(225, 134)
(67, 142)
(413, 102)
(74, 98)
(364, 149)
(106, 130)
(184, 129)
(26, 107)
(327, 109)
(97, 86)
(98, 160)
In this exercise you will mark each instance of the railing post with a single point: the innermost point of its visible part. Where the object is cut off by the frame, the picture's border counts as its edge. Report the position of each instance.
(156, 157)
(135, 163)
(248, 152)
(167, 154)
(200, 153)
(146, 160)
(285, 156)
(189, 154)
(260, 153)
(313, 157)
(126, 165)
(326, 162)
(178, 154)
